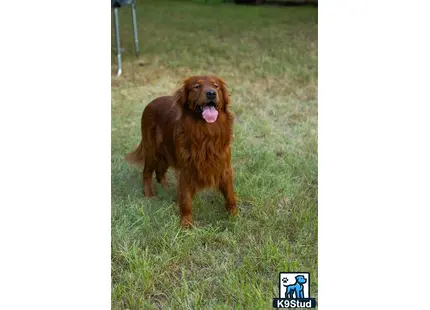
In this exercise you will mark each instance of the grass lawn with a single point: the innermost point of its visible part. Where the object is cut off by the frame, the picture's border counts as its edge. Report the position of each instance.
(268, 57)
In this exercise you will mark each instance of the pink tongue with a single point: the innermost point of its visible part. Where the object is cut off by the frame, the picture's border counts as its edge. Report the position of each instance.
(210, 114)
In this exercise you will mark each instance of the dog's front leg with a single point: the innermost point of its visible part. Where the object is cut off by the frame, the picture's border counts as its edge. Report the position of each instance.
(226, 188)
(186, 191)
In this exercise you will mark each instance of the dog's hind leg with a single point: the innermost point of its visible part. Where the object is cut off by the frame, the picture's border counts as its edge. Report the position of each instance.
(149, 158)
(288, 293)
(150, 165)
(160, 171)
(147, 182)
(162, 164)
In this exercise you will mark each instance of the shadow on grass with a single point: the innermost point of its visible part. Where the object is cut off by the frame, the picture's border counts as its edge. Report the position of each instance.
(208, 205)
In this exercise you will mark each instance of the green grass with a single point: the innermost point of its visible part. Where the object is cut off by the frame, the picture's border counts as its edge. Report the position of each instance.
(268, 56)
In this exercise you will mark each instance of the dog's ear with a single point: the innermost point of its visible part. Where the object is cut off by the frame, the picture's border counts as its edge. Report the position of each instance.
(180, 96)
(224, 90)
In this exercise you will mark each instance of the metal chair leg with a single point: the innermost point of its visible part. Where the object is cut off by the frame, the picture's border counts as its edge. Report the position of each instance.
(136, 39)
(118, 46)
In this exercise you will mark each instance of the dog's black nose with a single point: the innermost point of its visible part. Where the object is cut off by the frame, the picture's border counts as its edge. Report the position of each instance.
(211, 94)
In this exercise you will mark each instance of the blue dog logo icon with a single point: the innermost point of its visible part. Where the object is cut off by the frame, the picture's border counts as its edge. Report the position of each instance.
(294, 290)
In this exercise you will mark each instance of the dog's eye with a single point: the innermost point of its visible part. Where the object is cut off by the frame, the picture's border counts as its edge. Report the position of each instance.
(198, 86)
(216, 85)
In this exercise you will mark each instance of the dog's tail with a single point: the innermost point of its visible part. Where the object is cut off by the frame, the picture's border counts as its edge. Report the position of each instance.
(137, 157)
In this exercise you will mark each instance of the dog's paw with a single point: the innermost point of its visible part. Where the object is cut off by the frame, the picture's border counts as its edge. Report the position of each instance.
(186, 222)
(232, 210)
(164, 184)
(149, 193)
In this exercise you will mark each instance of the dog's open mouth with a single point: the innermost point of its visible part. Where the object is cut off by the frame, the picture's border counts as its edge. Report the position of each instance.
(209, 112)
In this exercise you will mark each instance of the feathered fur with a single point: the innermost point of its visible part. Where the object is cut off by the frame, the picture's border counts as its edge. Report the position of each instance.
(174, 134)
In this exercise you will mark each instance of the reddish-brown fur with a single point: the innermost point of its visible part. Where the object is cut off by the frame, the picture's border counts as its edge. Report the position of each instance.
(174, 134)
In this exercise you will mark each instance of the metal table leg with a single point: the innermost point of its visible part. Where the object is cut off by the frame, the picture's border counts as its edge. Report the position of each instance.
(118, 46)
(136, 39)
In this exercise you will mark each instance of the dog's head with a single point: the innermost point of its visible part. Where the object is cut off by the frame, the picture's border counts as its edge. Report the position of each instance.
(300, 279)
(205, 96)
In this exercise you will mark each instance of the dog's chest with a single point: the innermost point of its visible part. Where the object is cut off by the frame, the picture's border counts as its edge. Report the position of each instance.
(204, 150)
(203, 154)
(206, 154)
(206, 164)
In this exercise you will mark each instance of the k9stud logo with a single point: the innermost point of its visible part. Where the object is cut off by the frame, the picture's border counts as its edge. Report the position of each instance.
(294, 291)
